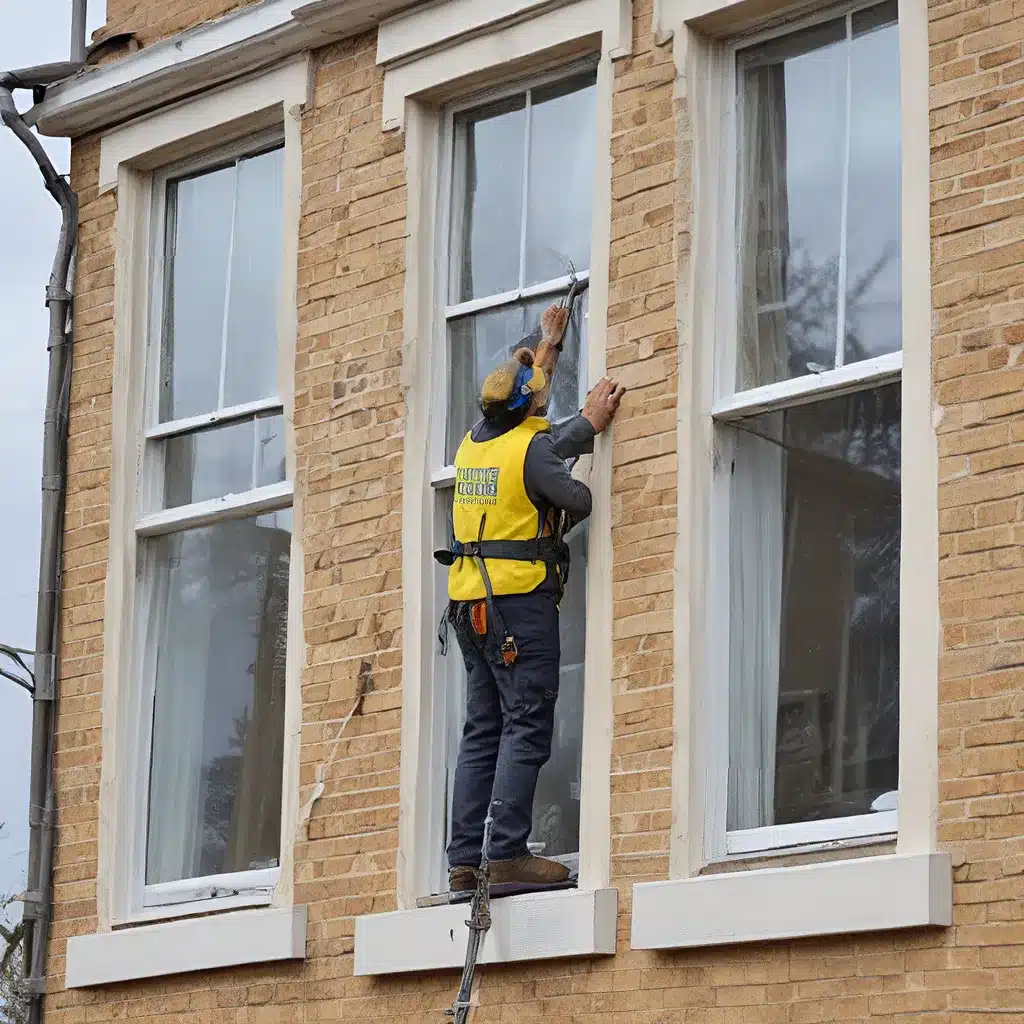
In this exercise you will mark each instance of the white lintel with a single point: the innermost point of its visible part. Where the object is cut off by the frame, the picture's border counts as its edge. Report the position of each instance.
(719, 18)
(170, 133)
(466, 39)
(439, 24)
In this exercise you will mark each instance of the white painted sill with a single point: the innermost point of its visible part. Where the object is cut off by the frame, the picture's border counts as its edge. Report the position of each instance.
(539, 926)
(833, 898)
(180, 947)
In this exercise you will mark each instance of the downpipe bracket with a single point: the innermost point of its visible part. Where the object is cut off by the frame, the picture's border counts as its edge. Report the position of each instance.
(34, 986)
(35, 906)
(57, 293)
(45, 673)
(64, 339)
(41, 817)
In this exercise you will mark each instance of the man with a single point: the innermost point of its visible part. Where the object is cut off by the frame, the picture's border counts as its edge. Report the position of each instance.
(507, 572)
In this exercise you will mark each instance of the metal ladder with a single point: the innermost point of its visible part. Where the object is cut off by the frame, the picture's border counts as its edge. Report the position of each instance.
(479, 924)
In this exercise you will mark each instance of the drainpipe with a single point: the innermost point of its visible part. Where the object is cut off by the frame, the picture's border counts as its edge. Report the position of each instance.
(78, 14)
(42, 812)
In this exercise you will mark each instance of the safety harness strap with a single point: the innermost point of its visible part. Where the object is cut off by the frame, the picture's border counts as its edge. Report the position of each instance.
(540, 549)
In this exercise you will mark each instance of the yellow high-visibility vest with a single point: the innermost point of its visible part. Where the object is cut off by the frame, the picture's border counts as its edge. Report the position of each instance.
(490, 485)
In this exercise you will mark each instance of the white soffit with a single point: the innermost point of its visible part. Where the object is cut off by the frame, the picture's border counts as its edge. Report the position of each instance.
(544, 926)
(179, 947)
(831, 898)
(248, 40)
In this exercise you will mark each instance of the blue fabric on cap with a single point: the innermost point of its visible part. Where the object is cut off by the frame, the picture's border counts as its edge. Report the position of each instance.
(521, 393)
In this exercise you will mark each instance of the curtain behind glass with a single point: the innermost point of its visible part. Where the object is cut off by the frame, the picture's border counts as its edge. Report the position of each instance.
(818, 198)
(762, 353)
(814, 612)
(755, 608)
(215, 619)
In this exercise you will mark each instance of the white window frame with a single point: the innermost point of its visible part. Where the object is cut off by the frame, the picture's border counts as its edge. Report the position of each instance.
(253, 887)
(731, 406)
(442, 476)
(424, 108)
(486, 43)
(250, 116)
(776, 901)
(838, 890)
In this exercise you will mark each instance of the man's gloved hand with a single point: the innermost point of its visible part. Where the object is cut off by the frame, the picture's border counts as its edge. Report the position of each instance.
(603, 403)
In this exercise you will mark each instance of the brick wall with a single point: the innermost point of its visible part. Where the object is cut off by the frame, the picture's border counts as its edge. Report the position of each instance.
(77, 757)
(349, 420)
(978, 297)
(642, 354)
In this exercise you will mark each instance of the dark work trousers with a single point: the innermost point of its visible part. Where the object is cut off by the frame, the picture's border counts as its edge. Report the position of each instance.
(510, 717)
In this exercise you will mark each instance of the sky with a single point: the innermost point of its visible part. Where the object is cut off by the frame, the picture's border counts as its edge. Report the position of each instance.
(33, 33)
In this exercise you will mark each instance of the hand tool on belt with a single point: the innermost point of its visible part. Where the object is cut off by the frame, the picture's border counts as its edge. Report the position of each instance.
(551, 550)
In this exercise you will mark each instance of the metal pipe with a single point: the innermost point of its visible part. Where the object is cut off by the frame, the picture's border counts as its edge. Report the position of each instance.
(38, 896)
(78, 30)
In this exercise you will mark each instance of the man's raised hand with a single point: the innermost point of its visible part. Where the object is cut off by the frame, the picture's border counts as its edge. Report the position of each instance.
(603, 403)
(553, 323)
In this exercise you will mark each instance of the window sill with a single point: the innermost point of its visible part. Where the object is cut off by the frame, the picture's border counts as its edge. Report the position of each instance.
(880, 825)
(541, 926)
(180, 947)
(835, 897)
(193, 908)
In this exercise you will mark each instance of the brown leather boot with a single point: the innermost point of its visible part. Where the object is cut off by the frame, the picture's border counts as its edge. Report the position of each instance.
(527, 874)
(461, 880)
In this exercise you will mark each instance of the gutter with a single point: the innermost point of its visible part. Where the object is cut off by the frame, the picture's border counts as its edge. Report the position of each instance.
(210, 54)
(38, 899)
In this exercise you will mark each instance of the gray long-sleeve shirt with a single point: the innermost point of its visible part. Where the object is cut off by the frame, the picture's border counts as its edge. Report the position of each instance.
(549, 484)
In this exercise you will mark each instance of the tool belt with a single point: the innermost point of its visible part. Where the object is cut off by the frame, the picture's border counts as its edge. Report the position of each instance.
(484, 621)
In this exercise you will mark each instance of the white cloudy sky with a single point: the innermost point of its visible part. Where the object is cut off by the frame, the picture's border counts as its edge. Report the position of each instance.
(33, 33)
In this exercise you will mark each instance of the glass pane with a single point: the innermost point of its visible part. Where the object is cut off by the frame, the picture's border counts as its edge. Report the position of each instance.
(561, 184)
(208, 464)
(251, 356)
(214, 614)
(873, 232)
(814, 590)
(565, 392)
(487, 203)
(478, 343)
(219, 461)
(199, 212)
(793, 97)
(819, 130)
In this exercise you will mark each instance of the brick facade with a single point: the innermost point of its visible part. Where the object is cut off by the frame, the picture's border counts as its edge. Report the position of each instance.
(349, 429)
